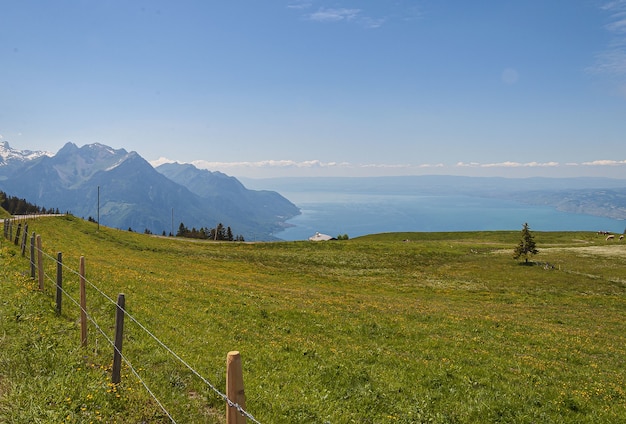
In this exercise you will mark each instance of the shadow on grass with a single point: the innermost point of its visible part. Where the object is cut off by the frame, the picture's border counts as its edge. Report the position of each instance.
(545, 265)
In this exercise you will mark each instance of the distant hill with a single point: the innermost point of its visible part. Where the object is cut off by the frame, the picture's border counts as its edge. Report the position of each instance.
(586, 195)
(608, 202)
(132, 194)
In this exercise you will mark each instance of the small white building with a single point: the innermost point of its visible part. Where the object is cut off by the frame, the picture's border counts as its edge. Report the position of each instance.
(321, 237)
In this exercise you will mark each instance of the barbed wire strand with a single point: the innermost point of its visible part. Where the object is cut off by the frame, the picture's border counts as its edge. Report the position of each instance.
(224, 397)
(126, 361)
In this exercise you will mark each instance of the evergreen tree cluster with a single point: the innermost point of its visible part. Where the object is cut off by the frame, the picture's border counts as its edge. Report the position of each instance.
(17, 206)
(220, 233)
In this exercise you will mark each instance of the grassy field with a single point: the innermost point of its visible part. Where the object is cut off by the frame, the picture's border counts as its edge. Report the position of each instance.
(388, 328)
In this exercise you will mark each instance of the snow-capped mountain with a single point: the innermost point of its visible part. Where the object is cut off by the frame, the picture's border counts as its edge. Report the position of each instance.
(10, 157)
(135, 195)
(8, 154)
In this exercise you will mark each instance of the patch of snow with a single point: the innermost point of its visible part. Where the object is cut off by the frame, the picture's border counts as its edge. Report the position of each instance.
(9, 154)
(118, 163)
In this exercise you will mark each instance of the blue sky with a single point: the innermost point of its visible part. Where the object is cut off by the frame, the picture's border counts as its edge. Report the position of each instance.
(318, 88)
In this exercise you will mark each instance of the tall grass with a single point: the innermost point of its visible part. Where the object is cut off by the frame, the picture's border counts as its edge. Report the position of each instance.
(391, 328)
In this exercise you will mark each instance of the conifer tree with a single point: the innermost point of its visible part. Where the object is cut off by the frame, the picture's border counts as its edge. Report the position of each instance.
(526, 245)
(182, 230)
(229, 234)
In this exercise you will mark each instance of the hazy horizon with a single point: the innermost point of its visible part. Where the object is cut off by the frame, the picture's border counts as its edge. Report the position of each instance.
(287, 169)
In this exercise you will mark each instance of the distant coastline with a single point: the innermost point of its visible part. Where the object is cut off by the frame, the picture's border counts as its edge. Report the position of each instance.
(359, 206)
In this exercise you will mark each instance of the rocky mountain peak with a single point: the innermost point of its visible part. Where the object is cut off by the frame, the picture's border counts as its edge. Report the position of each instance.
(9, 155)
(133, 194)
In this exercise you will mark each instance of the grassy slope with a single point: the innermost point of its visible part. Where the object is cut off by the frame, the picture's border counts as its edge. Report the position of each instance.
(443, 327)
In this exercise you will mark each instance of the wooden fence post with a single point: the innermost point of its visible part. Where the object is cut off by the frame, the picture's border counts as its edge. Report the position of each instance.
(59, 281)
(10, 229)
(39, 262)
(32, 256)
(234, 388)
(83, 304)
(17, 234)
(119, 335)
(23, 246)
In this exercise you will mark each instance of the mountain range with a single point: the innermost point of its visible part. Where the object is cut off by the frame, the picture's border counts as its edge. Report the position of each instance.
(125, 191)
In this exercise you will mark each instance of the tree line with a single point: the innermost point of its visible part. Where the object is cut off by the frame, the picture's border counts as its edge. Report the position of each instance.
(16, 206)
(220, 233)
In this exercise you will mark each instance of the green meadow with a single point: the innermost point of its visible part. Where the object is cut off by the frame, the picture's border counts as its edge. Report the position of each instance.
(387, 328)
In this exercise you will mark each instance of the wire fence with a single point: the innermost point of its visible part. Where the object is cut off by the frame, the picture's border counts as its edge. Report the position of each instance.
(21, 236)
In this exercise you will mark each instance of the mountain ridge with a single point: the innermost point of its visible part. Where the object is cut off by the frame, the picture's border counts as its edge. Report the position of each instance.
(7, 153)
(12, 159)
(126, 191)
(137, 195)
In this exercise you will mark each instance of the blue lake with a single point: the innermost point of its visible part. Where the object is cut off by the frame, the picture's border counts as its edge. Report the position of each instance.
(360, 214)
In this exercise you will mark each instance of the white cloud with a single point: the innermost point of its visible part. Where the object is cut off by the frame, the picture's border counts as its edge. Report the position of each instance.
(612, 61)
(358, 16)
(334, 15)
(372, 22)
(268, 164)
(617, 9)
(605, 162)
(300, 164)
(299, 5)
(619, 25)
(161, 161)
(286, 163)
(508, 164)
(311, 168)
(337, 15)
